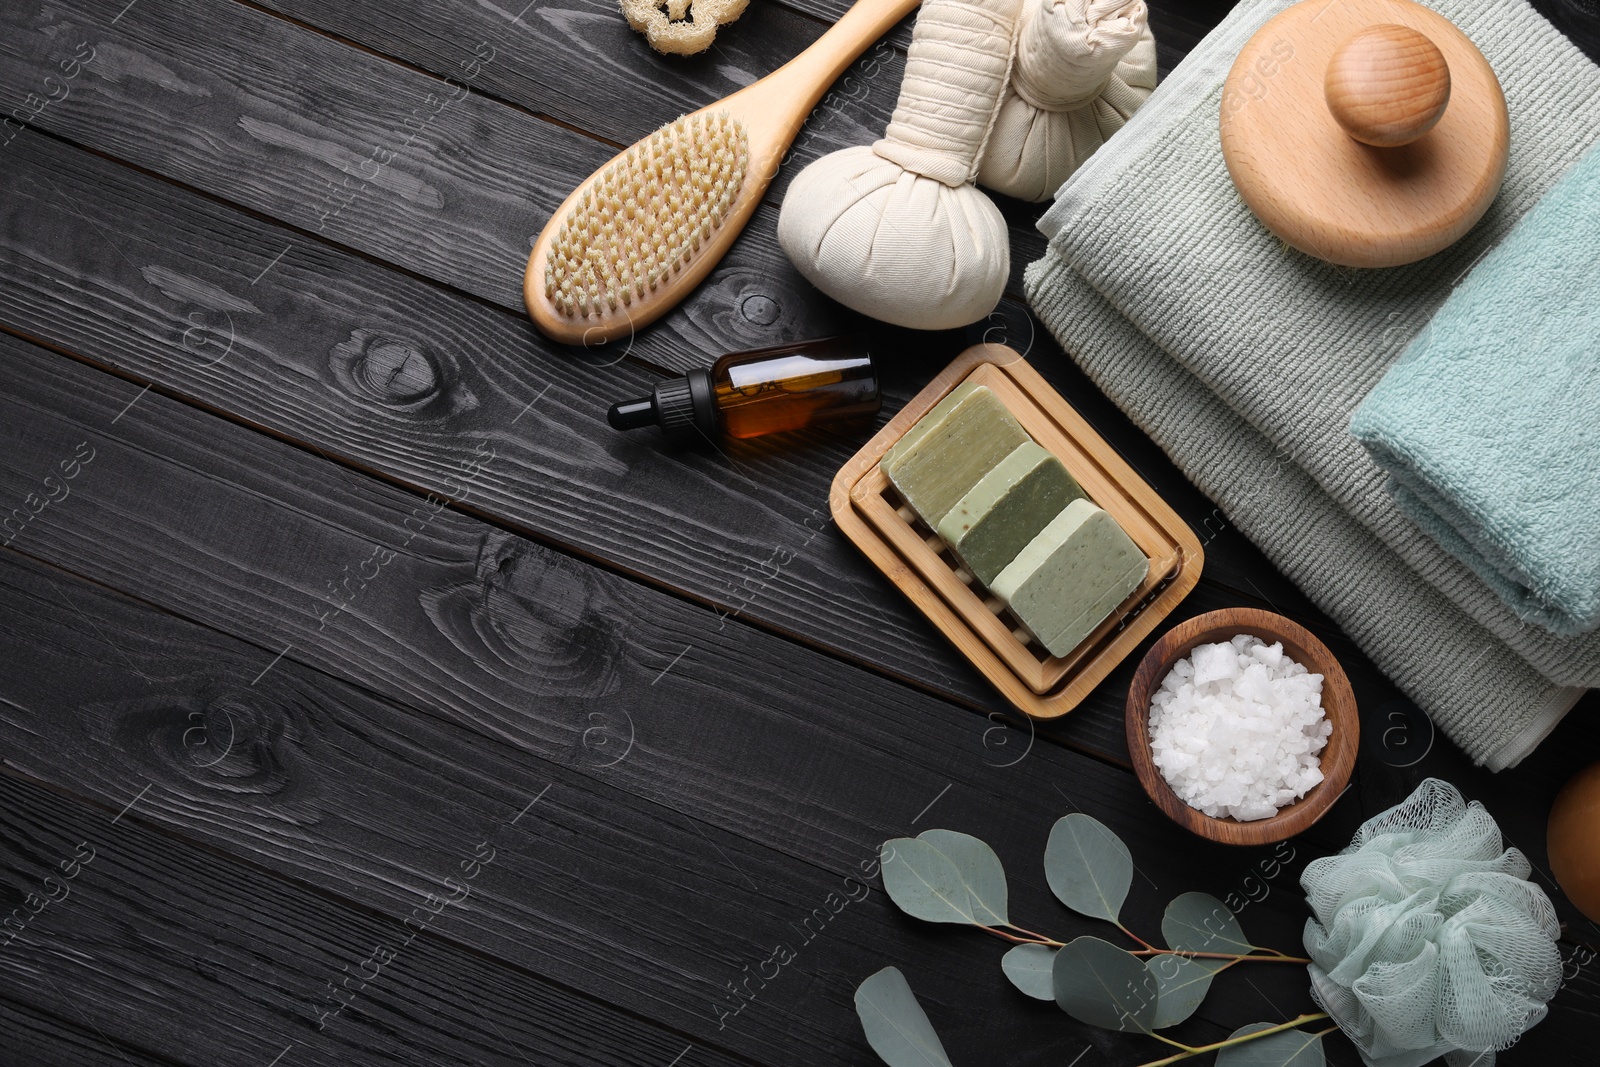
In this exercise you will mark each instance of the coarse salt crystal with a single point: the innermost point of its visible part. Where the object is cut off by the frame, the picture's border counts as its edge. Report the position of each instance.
(1237, 728)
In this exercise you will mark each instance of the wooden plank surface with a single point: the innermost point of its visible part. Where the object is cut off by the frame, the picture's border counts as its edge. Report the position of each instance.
(393, 375)
(287, 772)
(175, 955)
(376, 802)
(715, 734)
(295, 217)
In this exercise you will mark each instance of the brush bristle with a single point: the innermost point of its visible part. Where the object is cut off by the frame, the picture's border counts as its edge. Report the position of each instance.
(648, 214)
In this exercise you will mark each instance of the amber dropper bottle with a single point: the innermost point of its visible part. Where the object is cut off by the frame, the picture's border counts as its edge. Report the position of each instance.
(769, 390)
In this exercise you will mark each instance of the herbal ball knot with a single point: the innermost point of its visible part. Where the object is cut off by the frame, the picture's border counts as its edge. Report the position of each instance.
(1428, 939)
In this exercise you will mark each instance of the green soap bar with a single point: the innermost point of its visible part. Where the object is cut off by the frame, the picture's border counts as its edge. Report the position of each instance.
(950, 448)
(1071, 576)
(934, 417)
(1007, 509)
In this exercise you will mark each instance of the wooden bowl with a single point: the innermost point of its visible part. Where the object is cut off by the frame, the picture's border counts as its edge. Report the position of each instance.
(1338, 702)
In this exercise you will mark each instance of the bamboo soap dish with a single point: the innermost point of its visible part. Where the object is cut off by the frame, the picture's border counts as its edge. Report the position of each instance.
(1368, 133)
(913, 557)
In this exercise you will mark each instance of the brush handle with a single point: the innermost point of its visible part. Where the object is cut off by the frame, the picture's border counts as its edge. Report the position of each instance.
(775, 107)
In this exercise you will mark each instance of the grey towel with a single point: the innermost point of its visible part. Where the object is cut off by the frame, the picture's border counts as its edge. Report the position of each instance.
(1277, 348)
(1484, 696)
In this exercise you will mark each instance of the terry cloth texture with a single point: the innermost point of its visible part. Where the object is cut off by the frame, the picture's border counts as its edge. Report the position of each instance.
(1490, 422)
(1245, 360)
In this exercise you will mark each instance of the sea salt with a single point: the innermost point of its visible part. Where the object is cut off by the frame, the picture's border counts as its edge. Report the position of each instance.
(1237, 729)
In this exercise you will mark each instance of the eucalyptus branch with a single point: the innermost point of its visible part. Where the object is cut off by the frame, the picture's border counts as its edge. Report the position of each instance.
(1202, 1049)
(942, 876)
(1033, 938)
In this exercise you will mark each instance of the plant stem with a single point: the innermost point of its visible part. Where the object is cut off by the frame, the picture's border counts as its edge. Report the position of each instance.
(1290, 1025)
(1137, 938)
(1031, 938)
(1278, 958)
(1042, 938)
(1035, 940)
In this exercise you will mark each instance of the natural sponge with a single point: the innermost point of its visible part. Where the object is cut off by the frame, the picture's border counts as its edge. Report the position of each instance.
(897, 230)
(1082, 69)
(681, 27)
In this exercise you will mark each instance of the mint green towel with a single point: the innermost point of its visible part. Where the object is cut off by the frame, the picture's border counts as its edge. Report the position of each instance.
(1489, 424)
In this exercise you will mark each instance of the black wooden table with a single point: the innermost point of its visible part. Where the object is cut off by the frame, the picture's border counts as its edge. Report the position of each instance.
(365, 699)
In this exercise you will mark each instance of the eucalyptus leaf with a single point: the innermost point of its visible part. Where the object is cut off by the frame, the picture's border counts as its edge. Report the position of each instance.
(1102, 985)
(924, 882)
(1088, 867)
(896, 1026)
(1199, 922)
(1181, 984)
(1030, 969)
(1287, 1048)
(980, 869)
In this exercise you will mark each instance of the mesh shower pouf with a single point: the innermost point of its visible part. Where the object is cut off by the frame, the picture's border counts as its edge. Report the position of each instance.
(1428, 939)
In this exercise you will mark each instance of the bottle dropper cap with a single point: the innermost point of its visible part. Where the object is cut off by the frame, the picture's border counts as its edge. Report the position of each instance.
(678, 405)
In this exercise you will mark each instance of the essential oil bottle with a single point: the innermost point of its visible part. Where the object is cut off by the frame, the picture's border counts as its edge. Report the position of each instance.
(769, 390)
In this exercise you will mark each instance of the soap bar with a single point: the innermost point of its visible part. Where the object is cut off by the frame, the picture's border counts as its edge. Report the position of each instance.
(1071, 576)
(950, 448)
(1007, 509)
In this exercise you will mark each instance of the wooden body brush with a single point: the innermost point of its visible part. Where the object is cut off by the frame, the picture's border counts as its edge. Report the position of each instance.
(647, 227)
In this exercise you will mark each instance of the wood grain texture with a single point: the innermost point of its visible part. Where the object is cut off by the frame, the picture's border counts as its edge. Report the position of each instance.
(367, 365)
(578, 62)
(1387, 85)
(749, 511)
(273, 545)
(289, 773)
(162, 950)
(357, 150)
(320, 355)
(1338, 703)
(1330, 195)
(648, 907)
(414, 169)
(443, 381)
(457, 626)
(41, 1039)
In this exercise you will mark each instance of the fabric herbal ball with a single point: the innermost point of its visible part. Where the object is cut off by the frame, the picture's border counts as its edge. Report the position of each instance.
(1428, 939)
(1082, 68)
(893, 244)
(896, 229)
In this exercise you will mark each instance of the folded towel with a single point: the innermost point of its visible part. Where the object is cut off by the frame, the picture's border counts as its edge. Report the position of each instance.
(1490, 421)
(1479, 693)
(1165, 255)
(1291, 343)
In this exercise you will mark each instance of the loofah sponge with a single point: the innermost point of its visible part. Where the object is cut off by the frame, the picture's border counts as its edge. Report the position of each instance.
(1082, 69)
(1428, 939)
(897, 230)
(681, 27)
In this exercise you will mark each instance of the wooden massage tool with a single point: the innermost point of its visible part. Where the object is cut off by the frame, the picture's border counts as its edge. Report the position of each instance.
(1368, 133)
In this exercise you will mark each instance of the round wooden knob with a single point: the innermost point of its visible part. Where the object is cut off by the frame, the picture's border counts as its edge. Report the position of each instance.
(1387, 85)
